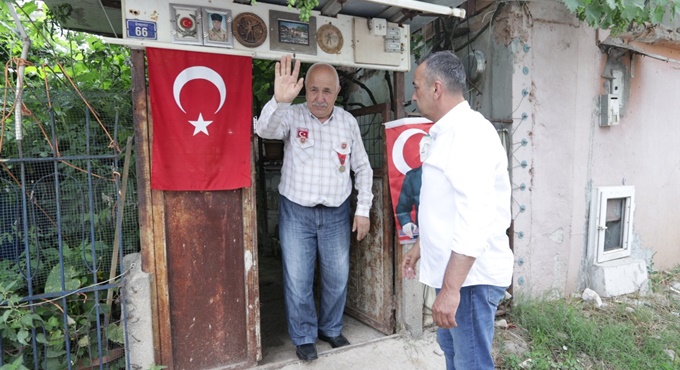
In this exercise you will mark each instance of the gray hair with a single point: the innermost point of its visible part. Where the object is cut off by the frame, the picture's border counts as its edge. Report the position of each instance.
(315, 65)
(446, 67)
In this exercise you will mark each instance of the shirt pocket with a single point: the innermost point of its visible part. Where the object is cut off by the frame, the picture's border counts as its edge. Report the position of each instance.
(303, 150)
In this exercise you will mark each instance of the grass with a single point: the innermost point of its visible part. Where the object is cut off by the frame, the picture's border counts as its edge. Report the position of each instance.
(630, 332)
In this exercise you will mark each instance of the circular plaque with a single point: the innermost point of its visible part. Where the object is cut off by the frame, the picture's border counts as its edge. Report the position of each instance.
(329, 39)
(249, 29)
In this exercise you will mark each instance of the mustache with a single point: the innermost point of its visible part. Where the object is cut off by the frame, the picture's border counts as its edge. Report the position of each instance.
(319, 105)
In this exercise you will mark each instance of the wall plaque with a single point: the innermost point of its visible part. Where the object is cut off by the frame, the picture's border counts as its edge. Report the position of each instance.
(249, 29)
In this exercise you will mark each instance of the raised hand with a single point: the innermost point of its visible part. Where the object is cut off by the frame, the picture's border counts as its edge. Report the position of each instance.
(287, 86)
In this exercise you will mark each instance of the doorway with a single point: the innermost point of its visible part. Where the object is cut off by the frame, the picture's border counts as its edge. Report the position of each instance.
(370, 310)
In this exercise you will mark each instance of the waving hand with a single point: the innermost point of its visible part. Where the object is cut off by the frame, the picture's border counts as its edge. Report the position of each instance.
(287, 86)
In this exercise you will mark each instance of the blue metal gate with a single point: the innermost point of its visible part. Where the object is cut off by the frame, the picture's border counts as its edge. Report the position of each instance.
(64, 229)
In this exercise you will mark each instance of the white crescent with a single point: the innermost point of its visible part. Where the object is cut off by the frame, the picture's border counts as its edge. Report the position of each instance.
(398, 149)
(199, 72)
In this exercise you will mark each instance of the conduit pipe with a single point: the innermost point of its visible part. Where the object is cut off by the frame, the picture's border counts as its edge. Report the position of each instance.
(18, 102)
(422, 7)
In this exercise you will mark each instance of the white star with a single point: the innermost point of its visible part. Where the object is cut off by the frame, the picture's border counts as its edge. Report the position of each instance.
(201, 125)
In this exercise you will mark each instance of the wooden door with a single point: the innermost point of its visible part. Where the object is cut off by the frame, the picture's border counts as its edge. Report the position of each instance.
(370, 291)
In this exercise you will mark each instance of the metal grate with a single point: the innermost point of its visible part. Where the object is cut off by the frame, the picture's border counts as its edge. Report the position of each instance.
(371, 121)
(63, 232)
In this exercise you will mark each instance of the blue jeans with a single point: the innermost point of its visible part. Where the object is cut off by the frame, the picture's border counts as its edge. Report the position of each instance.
(306, 232)
(468, 345)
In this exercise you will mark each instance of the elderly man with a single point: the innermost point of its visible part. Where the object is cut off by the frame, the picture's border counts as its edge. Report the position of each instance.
(464, 214)
(322, 143)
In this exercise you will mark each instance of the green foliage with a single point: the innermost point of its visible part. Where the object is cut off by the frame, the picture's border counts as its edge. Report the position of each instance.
(63, 68)
(622, 15)
(631, 332)
(304, 6)
(157, 367)
(86, 60)
(20, 322)
(263, 83)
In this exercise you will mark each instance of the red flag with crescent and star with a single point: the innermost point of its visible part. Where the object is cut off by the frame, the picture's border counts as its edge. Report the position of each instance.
(201, 107)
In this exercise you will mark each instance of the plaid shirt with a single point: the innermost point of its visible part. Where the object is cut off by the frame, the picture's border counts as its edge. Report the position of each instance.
(318, 156)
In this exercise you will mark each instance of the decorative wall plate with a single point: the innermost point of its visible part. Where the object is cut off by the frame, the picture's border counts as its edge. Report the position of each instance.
(329, 39)
(249, 29)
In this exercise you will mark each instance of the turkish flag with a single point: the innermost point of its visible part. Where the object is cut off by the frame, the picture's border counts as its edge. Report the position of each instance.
(201, 108)
(406, 149)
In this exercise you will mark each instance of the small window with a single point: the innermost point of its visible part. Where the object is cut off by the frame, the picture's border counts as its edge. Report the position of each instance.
(612, 222)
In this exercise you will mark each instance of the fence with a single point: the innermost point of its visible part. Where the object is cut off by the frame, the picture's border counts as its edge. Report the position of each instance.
(64, 230)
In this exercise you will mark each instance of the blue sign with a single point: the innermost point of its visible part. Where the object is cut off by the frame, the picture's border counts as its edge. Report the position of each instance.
(141, 29)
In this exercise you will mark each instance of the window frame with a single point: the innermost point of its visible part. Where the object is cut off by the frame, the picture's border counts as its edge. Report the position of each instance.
(598, 228)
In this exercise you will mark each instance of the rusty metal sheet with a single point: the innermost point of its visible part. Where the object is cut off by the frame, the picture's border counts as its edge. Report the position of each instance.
(204, 236)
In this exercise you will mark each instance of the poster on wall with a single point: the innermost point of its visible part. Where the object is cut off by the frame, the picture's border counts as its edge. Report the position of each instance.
(217, 28)
(408, 143)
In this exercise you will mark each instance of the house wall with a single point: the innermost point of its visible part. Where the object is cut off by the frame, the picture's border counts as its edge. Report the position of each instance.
(569, 153)
(646, 146)
(544, 72)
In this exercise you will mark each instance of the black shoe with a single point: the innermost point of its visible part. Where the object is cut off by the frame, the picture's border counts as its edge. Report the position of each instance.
(306, 352)
(335, 342)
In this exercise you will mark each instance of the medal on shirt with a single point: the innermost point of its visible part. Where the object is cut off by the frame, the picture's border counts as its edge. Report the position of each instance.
(342, 158)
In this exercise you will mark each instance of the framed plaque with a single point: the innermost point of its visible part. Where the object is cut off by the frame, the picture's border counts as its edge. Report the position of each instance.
(249, 30)
(288, 33)
(329, 39)
(185, 24)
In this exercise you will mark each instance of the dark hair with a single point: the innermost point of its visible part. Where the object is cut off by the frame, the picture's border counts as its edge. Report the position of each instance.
(216, 17)
(447, 68)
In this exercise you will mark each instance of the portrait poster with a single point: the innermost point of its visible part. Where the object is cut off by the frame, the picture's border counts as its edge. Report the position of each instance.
(201, 108)
(217, 28)
(407, 145)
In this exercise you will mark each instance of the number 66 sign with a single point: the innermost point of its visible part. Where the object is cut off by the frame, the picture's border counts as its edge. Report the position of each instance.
(141, 29)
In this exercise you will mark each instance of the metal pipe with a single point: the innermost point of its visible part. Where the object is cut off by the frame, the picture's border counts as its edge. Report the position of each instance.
(20, 73)
(422, 7)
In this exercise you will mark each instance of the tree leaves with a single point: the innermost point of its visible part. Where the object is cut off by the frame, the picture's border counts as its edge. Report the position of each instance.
(623, 15)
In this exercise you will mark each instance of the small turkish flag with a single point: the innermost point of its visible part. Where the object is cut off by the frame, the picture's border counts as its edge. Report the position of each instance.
(201, 108)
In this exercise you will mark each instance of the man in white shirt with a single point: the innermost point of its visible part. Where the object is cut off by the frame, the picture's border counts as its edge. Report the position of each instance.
(322, 143)
(464, 214)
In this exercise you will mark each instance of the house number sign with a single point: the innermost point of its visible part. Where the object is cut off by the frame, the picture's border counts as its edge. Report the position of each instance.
(141, 29)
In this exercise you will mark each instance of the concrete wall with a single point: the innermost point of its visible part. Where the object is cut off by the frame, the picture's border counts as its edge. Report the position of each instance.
(569, 153)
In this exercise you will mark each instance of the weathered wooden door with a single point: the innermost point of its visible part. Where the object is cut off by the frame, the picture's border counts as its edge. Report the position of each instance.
(201, 251)
(370, 295)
